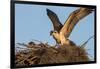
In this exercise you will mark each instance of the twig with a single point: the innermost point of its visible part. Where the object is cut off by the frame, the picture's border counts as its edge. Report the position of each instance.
(36, 40)
(21, 48)
(22, 44)
(84, 44)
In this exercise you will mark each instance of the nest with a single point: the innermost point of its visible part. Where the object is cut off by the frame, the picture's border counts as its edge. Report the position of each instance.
(35, 54)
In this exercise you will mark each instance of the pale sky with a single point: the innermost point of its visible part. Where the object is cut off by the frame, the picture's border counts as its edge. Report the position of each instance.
(32, 22)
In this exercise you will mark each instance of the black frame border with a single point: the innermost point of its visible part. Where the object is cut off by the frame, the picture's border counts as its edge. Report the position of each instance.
(12, 33)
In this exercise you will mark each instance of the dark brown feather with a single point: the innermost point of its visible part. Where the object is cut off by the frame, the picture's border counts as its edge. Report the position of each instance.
(55, 21)
(73, 19)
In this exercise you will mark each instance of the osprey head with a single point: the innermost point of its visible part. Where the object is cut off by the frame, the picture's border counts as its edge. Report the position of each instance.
(53, 32)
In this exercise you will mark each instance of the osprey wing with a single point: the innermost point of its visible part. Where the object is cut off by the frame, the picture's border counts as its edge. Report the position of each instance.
(55, 21)
(73, 19)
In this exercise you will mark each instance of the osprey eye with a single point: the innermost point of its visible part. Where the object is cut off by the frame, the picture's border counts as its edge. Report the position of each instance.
(55, 31)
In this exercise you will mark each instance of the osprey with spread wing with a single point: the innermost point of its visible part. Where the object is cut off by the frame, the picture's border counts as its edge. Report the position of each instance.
(62, 32)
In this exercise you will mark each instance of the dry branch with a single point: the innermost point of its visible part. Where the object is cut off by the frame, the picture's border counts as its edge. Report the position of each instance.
(45, 54)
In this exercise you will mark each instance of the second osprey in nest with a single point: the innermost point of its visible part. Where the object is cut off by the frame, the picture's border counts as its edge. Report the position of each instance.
(62, 32)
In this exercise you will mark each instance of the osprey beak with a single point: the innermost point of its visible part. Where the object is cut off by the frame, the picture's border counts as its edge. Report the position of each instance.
(51, 33)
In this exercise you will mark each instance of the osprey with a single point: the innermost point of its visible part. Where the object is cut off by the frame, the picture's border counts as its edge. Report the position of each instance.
(62, 32)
